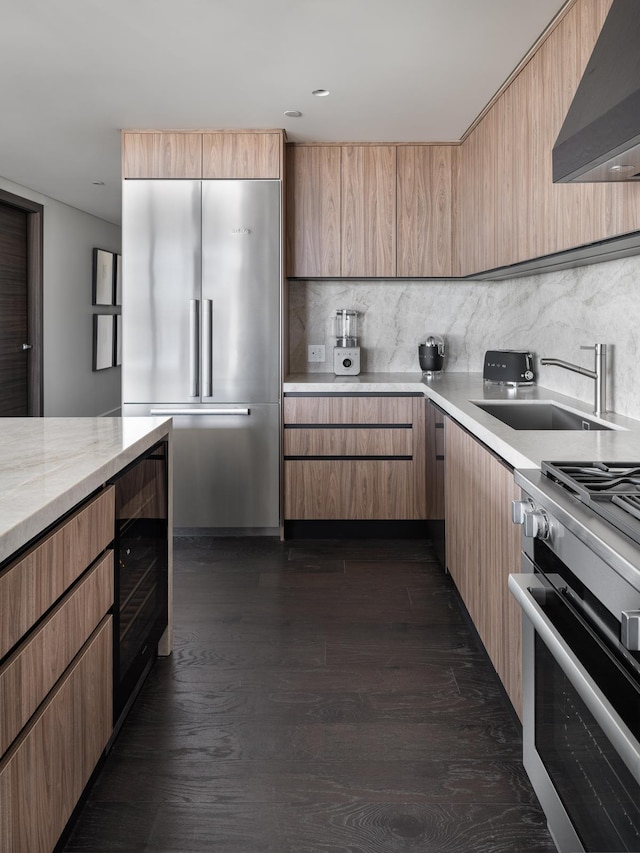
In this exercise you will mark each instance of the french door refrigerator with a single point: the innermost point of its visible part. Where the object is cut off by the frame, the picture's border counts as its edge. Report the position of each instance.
(201, 340)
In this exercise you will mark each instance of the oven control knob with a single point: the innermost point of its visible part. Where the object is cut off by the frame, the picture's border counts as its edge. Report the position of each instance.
(630, 630)
(519, 508)
(536, 524)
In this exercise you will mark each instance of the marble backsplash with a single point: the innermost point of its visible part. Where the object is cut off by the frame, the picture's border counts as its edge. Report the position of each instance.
(551, 314)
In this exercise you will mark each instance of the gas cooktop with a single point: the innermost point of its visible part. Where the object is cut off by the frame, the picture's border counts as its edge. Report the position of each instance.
(611, 489)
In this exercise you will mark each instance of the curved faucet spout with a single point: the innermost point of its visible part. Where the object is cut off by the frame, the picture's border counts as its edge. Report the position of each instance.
(576, 368)
(599, 374)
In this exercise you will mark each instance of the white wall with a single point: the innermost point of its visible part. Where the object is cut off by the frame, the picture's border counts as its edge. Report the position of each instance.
(551, 314)
(70, 386)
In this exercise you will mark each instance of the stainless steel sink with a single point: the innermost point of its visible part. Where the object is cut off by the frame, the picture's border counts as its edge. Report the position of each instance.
(539, 415)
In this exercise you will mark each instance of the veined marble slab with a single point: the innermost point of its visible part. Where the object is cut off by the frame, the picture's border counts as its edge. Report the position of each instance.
(455, 393)
(48, 465)
(551, 314)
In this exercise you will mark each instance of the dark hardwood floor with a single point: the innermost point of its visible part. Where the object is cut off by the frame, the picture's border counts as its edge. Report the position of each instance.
(323, 697)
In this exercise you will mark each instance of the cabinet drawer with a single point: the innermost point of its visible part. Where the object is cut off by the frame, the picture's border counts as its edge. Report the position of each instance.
(35, 581)
(348, 410)
(44, 773)
(350, 489)
(33, 669)
(348, 442)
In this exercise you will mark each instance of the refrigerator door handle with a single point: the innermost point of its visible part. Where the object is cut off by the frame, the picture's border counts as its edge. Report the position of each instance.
(207, 350)
(193, 347)
(199, 412)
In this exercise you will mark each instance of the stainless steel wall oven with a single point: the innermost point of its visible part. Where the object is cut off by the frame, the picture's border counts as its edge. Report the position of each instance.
(580, 595)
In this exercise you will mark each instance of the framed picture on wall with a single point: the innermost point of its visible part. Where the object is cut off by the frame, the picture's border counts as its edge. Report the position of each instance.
(103, 277)
(118, 280)
(117, 350)
(103, 352)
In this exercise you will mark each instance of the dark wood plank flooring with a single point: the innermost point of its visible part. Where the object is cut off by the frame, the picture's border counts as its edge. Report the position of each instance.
(323, 697)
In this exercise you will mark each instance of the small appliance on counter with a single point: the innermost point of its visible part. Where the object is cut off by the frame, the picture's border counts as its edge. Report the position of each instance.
(346, 353)
(508, 367)
(431, 355)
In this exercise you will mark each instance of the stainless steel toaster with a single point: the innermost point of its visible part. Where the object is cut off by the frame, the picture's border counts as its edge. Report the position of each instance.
(508, 366)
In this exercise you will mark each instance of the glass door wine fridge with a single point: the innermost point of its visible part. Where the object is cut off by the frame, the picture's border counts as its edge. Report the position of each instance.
(141, 576)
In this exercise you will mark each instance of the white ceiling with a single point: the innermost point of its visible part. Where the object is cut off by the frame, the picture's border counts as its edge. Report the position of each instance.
(75, 72)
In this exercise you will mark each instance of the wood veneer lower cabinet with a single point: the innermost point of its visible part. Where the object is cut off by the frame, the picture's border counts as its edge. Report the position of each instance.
(33, 669)
(354, 457)
(483, 548)
(56, 677)
(46, 770)
(35, 581)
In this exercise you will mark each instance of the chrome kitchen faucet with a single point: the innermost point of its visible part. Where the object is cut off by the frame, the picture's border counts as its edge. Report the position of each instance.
(599, 374)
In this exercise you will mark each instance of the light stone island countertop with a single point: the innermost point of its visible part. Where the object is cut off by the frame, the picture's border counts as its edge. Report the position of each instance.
(48, 465)
(454, 393)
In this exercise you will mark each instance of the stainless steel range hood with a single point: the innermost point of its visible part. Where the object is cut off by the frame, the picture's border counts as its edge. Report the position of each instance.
(600, 137)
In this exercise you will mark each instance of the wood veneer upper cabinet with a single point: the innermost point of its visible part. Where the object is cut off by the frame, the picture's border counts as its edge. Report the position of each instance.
(161, 155)
(368, 222)
(507, 208)
(483, 548)
(313, 211)
(577, 213)
(242, 155)
(424, 198)
(478, 200)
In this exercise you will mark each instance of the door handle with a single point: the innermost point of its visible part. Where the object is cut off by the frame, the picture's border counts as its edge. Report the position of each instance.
(198, 412)
(623, 740)
(194, 335)
(207, 351)
(27, 346)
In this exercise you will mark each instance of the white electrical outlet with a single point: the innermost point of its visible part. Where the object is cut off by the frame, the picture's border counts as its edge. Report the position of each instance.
(315, 352)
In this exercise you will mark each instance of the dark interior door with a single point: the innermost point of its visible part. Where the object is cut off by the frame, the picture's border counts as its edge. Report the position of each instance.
(14, 377)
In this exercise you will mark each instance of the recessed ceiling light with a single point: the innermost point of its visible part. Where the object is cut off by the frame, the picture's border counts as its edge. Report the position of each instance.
(625, 168)
(320, 93)
(293, 113)
(98, 183)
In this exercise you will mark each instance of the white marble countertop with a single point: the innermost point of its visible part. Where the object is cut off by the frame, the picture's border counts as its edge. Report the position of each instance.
(454, 393)
(48, 465)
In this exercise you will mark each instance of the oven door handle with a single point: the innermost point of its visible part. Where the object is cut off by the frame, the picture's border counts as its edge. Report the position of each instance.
(605, 715)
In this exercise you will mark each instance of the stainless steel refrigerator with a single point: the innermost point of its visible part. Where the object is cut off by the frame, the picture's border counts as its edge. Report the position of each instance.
(201, 340)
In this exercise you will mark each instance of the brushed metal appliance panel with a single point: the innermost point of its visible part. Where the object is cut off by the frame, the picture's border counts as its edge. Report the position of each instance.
(226, 467)
(161, 290)
(241, 271)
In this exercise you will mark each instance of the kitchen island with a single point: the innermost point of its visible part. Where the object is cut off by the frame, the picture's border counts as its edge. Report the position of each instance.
(84, 503)
(48, 465)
